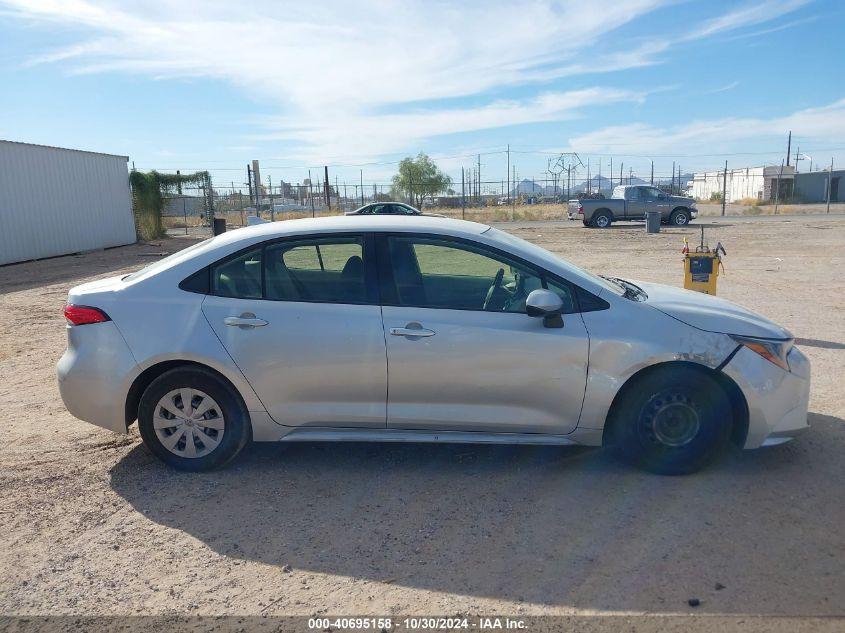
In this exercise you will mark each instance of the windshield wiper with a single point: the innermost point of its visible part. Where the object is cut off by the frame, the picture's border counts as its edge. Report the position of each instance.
(632, 291)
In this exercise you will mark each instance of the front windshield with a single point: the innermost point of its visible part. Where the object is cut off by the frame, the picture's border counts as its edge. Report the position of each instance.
(542, 253)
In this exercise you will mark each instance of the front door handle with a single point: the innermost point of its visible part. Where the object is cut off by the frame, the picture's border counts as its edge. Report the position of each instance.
(412, 329)
(245, 321)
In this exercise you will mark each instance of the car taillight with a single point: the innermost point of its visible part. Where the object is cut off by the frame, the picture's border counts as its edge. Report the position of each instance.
(83, 315)
(581, 210)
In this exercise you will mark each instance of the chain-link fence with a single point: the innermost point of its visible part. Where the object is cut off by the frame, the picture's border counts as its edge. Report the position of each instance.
(762, 189)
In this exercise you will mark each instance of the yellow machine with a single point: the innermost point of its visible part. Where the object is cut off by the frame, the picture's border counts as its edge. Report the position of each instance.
(701, 267)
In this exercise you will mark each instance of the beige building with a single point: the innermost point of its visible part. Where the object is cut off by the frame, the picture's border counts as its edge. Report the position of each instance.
(757, 183)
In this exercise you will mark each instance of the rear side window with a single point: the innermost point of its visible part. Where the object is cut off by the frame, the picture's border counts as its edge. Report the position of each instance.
(328, 270)
(238, 277)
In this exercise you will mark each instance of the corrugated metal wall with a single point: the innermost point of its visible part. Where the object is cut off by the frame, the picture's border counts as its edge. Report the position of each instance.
(57, 201)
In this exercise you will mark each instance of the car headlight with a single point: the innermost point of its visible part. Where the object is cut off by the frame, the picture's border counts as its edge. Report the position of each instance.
(774, 351)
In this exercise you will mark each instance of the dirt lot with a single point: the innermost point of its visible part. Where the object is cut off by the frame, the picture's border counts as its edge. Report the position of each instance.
(93, 524)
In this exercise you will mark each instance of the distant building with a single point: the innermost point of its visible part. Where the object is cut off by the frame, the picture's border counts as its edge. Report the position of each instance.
(812, 186)
(55, 201)
(755, 183)
(179, 205)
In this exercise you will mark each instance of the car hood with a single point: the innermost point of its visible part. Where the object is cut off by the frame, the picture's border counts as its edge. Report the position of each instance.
(710, 313)
(676, 200)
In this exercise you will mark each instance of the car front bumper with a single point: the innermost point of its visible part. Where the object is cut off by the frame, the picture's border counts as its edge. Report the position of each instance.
(94, 373)
(777, 400)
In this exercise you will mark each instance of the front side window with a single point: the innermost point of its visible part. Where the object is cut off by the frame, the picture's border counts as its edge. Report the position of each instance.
(328, 270)
(438, 273)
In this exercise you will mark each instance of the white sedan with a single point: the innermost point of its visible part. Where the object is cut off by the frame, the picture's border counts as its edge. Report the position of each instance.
(419, 329)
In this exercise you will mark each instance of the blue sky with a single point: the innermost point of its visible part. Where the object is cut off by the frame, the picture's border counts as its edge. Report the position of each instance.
(210, 85)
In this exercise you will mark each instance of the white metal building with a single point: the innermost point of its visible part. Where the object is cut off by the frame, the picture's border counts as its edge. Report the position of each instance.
(56, 201)
(756, 183)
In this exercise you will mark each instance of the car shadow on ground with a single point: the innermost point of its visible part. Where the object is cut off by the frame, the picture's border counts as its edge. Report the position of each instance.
(550, 525)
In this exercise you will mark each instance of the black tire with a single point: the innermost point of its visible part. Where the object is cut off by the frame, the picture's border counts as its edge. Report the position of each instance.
(671, 421)
(236, 433)
(679, 217)
(602, 220)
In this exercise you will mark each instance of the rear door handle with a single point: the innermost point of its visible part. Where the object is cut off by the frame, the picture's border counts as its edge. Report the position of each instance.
(245, 321)
(411, 329)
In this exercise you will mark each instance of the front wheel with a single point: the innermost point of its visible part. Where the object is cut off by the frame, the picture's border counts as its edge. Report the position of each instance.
(679, 217)
(191, 419)
(672, 421)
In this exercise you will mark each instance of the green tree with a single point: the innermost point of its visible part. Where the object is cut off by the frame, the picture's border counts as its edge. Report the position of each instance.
(418, 179)
(149, 190)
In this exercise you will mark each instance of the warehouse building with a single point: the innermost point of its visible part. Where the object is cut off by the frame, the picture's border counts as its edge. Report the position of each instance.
(812, 186)
(56, 201)
(747, 183)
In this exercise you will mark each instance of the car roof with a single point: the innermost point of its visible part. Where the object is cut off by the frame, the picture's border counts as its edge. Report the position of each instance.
(351, 223)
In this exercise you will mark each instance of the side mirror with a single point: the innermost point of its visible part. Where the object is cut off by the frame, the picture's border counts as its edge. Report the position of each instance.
(547, 304)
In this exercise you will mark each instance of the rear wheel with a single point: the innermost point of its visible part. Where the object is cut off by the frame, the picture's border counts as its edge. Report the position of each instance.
(602, 220)
(679, 217)
(672, 421)
(191, 419)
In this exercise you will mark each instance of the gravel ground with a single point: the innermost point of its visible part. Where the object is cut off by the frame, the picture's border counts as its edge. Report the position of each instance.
(94, 525)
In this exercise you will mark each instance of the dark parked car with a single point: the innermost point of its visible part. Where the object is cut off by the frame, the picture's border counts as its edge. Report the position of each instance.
(386, 208)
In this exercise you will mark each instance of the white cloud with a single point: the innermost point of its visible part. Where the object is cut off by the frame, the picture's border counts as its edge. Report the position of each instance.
(724, 88)
(824, 124)
(394, 132)
(747, 15)
(350, 79)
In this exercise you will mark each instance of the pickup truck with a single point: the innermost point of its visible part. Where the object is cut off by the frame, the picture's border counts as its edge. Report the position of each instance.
(630, 202)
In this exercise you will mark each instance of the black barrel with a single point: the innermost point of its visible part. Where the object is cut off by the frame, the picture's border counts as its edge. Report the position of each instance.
(219, 226)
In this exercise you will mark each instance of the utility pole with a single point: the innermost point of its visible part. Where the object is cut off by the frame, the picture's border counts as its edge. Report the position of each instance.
(508, 172)
(568, 182)
(589, 180)
(672, 186)
(362, 187)
(829, 184)
(328, 187)
(599, 176)
(724, 187)
(272, 206)
(611, 173)
(621, 165)
(479, 180)
(249, 182)
(463, 195)
(513, 199)
(797, 152)
(311, 195)
(652, 174)
(788, 148)
(777, 189)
